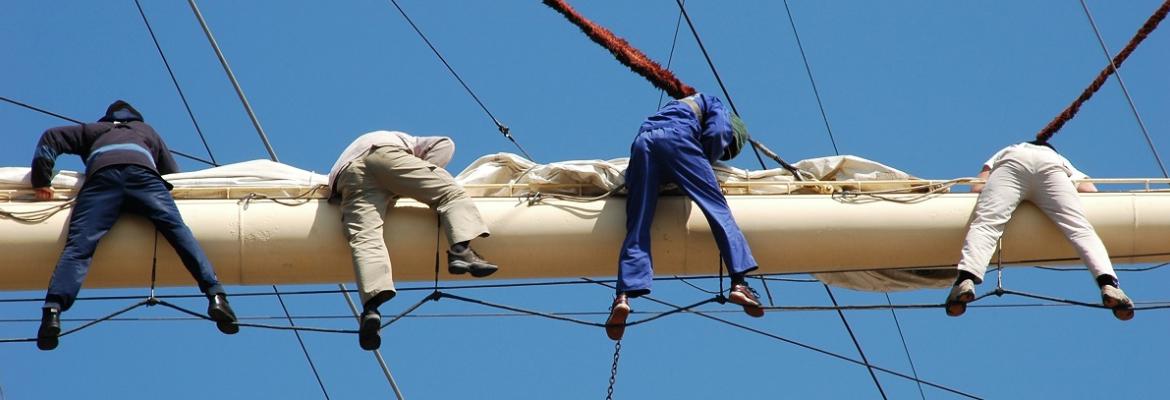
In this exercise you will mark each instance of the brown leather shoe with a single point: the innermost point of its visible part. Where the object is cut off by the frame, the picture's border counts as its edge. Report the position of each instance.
(1113, 297)
(961, 294)
(745, 296)
(615, 325)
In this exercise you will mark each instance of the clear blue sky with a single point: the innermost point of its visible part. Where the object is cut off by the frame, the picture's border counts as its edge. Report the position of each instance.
(932, 88)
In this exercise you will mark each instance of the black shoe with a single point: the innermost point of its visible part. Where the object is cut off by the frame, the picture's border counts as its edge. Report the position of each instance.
(371, 323)
(221, 312)
(50, 329)
(469, 261)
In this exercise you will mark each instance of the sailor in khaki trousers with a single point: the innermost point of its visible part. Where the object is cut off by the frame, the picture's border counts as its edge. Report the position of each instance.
(1035, 172)
(371, 173)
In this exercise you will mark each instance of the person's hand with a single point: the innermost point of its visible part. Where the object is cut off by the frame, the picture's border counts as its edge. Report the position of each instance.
(44, 193)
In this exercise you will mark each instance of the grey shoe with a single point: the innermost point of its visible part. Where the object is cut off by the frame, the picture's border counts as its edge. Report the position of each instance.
(1113, 297)
(469, 261)
(961, 294)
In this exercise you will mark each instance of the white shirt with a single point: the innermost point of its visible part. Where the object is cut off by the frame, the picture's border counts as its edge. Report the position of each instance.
(1073, 173)
(437, 150)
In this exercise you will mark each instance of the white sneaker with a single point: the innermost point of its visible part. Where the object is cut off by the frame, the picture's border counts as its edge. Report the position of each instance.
(961, 294)
(1113, 297)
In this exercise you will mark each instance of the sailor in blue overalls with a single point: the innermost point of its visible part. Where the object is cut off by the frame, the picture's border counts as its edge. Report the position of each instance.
(678, 144)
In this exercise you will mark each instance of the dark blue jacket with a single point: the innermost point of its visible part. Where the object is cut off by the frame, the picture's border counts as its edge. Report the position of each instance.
(120, 137)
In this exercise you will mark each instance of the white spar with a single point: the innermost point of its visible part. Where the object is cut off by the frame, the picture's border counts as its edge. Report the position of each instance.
(260, 241)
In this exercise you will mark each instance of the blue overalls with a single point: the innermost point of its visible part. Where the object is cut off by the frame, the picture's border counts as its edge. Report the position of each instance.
(673, 145)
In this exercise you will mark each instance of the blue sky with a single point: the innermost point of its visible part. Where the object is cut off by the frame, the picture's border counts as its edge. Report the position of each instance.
(932, 88)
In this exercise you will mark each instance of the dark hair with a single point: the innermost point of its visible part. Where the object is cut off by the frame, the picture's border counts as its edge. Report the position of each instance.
(1044, 143)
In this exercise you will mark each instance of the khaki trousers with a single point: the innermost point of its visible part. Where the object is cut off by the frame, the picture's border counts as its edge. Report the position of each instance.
(1038, 177)
(369, 186)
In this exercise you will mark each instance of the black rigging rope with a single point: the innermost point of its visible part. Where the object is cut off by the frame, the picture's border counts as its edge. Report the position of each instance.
(856, 344)
(669, 59)
(808, 69)
(50, 113)
(799, 344)
(504, 130)
(174, 80)
(905, 347)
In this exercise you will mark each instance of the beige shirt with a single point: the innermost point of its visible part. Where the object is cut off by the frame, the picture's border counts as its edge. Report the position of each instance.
(437, 150)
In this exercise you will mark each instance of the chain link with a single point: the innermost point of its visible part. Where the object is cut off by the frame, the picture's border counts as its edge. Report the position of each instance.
(617, 354)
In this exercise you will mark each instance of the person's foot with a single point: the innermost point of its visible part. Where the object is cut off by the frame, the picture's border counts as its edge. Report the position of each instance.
(50, 328)
(1113, 297)
(368, 327)
(745, 296)
(462, 262)
(221, 312)
(615, 325)
(962, 293)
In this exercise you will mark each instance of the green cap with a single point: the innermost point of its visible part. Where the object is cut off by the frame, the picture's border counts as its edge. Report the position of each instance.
(740, 138)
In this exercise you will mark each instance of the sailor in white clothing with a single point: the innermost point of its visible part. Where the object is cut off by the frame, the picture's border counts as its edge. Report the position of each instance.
(1035, 172)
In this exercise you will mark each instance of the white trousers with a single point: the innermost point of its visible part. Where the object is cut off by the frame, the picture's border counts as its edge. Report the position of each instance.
(1038, 177)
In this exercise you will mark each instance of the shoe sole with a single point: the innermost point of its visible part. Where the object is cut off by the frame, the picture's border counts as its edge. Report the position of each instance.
(615, 326)
(482, 272)
(224, 322)
(47, 338)
(368, 337)
(958, 306)
(750, 307)
(1121, 310)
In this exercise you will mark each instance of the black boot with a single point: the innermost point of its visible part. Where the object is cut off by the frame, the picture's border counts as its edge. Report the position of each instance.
(50, 328)
(221, 312)
(368, 327)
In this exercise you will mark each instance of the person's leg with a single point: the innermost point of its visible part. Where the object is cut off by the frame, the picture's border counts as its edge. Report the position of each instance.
(400, 172)
(685, 164)
(147, 195)
(363, 209)
(1005, 189)
(1056, 195)
(643, 181)
(635, 266)
(96, 209)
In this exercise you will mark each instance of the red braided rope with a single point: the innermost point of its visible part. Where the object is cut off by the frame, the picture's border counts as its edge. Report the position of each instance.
(1072, 109)
(621, 49)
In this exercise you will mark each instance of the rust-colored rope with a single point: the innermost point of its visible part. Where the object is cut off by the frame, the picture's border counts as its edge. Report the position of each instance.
(1071, 110)
(625, 53)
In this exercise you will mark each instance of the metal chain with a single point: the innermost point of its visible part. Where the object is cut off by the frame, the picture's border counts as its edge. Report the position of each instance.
(617, 354)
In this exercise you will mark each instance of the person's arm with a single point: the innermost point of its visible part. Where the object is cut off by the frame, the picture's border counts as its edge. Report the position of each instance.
(163, 160)
(983, 174)
(54, 142)
(1086, 187)
(716, 126)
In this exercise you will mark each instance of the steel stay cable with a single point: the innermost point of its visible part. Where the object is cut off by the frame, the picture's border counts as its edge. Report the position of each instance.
(670, 58)
(50, 113)
(85, 325)
(802, 345)
(755, 148)
(905, 346)
(808, 69)
(1125, 91)
(174, 80)
(499, 125)
(856, 344)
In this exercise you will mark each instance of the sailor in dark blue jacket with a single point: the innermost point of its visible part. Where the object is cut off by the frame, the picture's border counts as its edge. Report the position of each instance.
(678, 144)
(124, 159)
